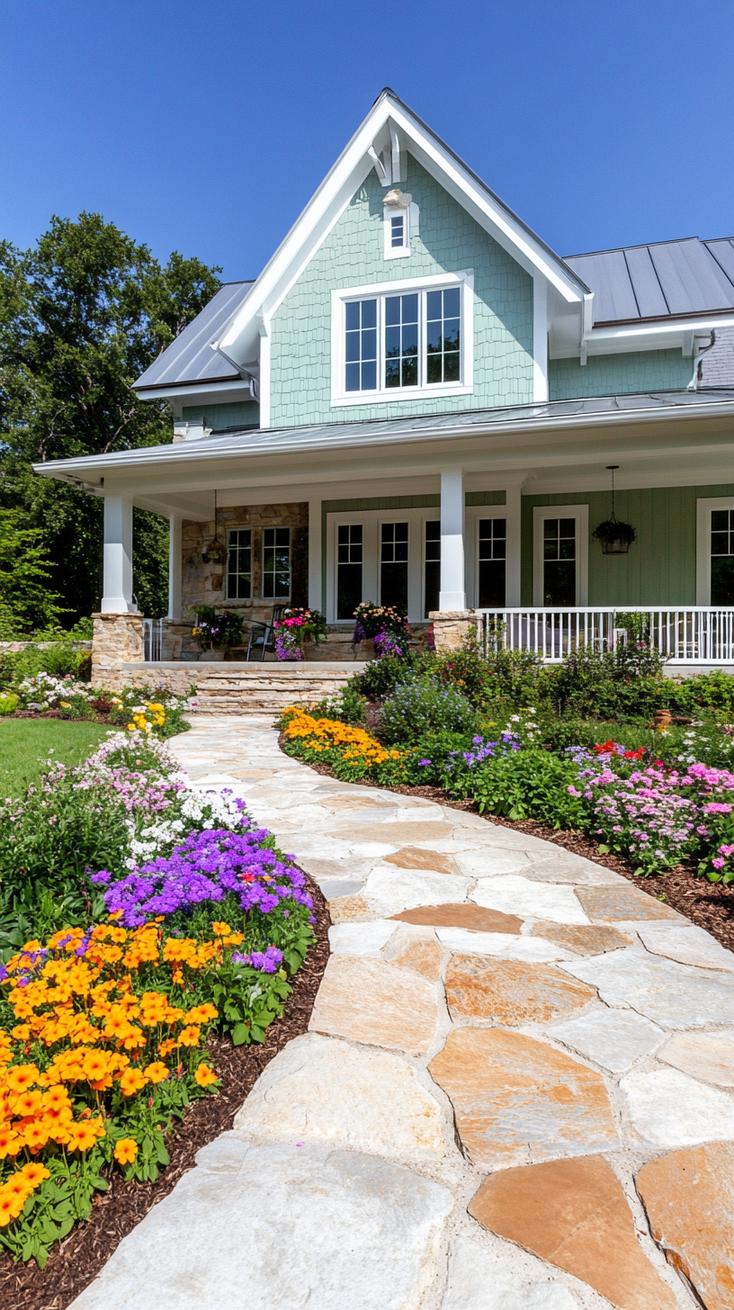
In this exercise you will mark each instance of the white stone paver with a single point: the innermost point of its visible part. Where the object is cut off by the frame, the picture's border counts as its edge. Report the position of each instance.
(346, 1180)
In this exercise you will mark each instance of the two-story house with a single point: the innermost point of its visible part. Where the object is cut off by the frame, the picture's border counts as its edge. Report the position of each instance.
(418, 402)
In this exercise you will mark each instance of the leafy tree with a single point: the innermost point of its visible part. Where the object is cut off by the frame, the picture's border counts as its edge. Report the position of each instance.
(82, 314)
(25, 600)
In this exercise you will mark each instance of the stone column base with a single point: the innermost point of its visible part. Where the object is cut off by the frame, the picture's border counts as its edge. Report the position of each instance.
(117, 639)
(452, 627)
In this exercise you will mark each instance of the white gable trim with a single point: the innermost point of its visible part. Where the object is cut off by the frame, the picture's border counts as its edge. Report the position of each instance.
(335, 192)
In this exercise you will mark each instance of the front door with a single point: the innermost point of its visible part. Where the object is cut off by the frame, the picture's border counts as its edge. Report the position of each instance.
(560, 556)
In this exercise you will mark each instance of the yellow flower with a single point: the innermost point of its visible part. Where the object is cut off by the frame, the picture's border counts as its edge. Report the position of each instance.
(157, 1072)
(205, 1076)
(126, 1150)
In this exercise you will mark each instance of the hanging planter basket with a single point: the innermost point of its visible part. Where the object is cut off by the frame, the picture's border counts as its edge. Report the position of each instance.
(615, 537)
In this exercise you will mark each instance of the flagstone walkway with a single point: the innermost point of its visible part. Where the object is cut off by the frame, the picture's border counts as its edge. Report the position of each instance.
(517, 1092)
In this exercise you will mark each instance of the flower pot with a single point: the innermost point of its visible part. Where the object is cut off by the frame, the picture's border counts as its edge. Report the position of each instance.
(616, 546)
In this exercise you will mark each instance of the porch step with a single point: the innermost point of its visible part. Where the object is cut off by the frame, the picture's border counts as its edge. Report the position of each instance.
(232, 688)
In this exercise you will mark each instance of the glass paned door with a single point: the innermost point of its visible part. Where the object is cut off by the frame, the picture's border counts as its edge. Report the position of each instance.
(349, 561)
(492, 563)
(722, 556)
(394, 565)
(432, 566)
(560, 561)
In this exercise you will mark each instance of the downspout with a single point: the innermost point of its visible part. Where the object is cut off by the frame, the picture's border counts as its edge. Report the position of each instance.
(697, 365)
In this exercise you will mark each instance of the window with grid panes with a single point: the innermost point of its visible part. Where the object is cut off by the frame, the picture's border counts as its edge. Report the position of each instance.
(722, 557)
(394, 565)
(492, 557)
(239, 564)
(349, 559)
(276, 571)
(432, 565)
(361, 345)
(559, 561)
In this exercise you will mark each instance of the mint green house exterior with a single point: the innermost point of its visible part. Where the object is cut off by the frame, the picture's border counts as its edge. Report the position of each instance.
(418, 402)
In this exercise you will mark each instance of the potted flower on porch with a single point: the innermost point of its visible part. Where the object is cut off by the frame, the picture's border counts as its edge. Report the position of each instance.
(295, 627)
(216, 630)
(380, 629)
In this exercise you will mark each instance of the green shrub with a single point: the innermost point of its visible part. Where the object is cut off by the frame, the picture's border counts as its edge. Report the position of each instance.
(382, 676)
(526, 784)
(8, 702)
(518, 677)
(422, 706)
(711, 691)
(468, 671)
(348, 705)
(61, 659)
(626, 682)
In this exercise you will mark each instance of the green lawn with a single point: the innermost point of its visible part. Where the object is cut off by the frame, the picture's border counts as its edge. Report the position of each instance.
(26, 743)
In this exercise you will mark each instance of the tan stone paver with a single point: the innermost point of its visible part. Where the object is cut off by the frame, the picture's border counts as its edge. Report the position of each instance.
(481, 1154)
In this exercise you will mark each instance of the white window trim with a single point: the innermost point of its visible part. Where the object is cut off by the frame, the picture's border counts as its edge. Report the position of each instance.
(581, 514)
(473, 514)
(273, 527)
(340, 396)
(704, 508)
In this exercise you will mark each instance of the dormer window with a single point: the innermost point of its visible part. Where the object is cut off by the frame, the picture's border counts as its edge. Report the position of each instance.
(397, 211)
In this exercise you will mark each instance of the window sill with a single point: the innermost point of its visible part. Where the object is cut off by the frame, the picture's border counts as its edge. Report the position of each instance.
(401, 393)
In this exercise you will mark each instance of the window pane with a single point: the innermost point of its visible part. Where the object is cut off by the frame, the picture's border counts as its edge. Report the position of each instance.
(722, 580)
(559, 583)
(392, 342)
(433, 305)
(491, 584)
(410, 339)
(353, 377)
(276, 570)
(720, 520)
(452, 368)
(349, 569)
(369, 313)
(392, 309)
(369, 376)
(451, 303)
(392, 373)
(352, 314)
(394, 565)
(360, 345)
(443, 336)
(352, 346)
(410, 372)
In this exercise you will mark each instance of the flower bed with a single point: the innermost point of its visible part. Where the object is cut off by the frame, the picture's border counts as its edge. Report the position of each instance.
(193, 925)
(144, 709)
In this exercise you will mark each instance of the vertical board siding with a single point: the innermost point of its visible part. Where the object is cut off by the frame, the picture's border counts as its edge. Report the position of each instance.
(660, 568)
(229, 414)
(449, 241)
(615, 375)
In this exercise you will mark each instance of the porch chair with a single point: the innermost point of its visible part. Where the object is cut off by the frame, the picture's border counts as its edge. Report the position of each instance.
(262, 635)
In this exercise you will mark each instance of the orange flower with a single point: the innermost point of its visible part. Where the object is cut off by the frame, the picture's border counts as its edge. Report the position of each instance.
(205, 1076)
(21, 1076)
(126, 1150)
(132, 1081)
(189, 1036)
(156, 1072)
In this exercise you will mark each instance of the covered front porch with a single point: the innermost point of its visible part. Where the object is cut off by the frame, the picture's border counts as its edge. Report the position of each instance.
(470, 522)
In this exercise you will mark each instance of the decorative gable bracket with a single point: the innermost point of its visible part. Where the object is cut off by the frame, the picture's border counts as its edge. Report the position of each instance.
(387, 157)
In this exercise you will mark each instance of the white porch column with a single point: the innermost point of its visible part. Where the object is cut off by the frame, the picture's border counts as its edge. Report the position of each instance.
(117, 586)
(452, 595)
(315, 573)
(513, 501)
(174, 568)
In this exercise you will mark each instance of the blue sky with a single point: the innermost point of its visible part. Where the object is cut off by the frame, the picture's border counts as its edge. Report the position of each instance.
(205, 127)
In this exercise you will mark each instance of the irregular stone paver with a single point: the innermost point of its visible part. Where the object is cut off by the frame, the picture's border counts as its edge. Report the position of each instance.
(374, 1002)
(539, 900)
(669, 1109)
(583, 939)
(391, 890)
(421, 953)
(360, 938)
(673, 995)
(416, 857)
(345, 909)
(457, 915)
(396, 833)
(617, 904)
(709, 1056)
(351, 1228)
(511, 992)
(615, 1039)
(686, 944)
(689, 1199)
(265, 1228)
(490, 1275)
(321, 1089)
(516, 1099)
(575, 1214)
(502, 945)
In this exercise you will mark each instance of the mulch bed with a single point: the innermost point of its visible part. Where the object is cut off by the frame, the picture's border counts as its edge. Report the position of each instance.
(80, 1257)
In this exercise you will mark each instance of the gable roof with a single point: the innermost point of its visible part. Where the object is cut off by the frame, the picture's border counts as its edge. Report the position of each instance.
(666, 279)
(190, 358)
(392, 128)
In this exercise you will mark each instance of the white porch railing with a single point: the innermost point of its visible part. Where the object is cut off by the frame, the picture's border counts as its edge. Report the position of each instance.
(691, 634)
(152, 640)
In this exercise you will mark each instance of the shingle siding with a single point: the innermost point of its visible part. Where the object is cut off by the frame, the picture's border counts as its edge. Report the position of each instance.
(616, 375)
(352, 255)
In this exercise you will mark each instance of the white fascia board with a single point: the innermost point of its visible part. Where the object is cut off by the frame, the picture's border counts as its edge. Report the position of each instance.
(665, 335)
(334, 193)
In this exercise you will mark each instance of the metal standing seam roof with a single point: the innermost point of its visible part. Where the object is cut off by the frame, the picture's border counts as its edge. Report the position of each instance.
(190, 357)
(667, 279)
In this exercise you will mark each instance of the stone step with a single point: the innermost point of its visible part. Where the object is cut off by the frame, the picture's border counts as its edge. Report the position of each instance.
(237, 688)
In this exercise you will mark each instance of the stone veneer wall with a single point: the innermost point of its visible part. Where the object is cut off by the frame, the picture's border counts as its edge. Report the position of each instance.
(451, 628)
(205, 584)
(117, 640)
